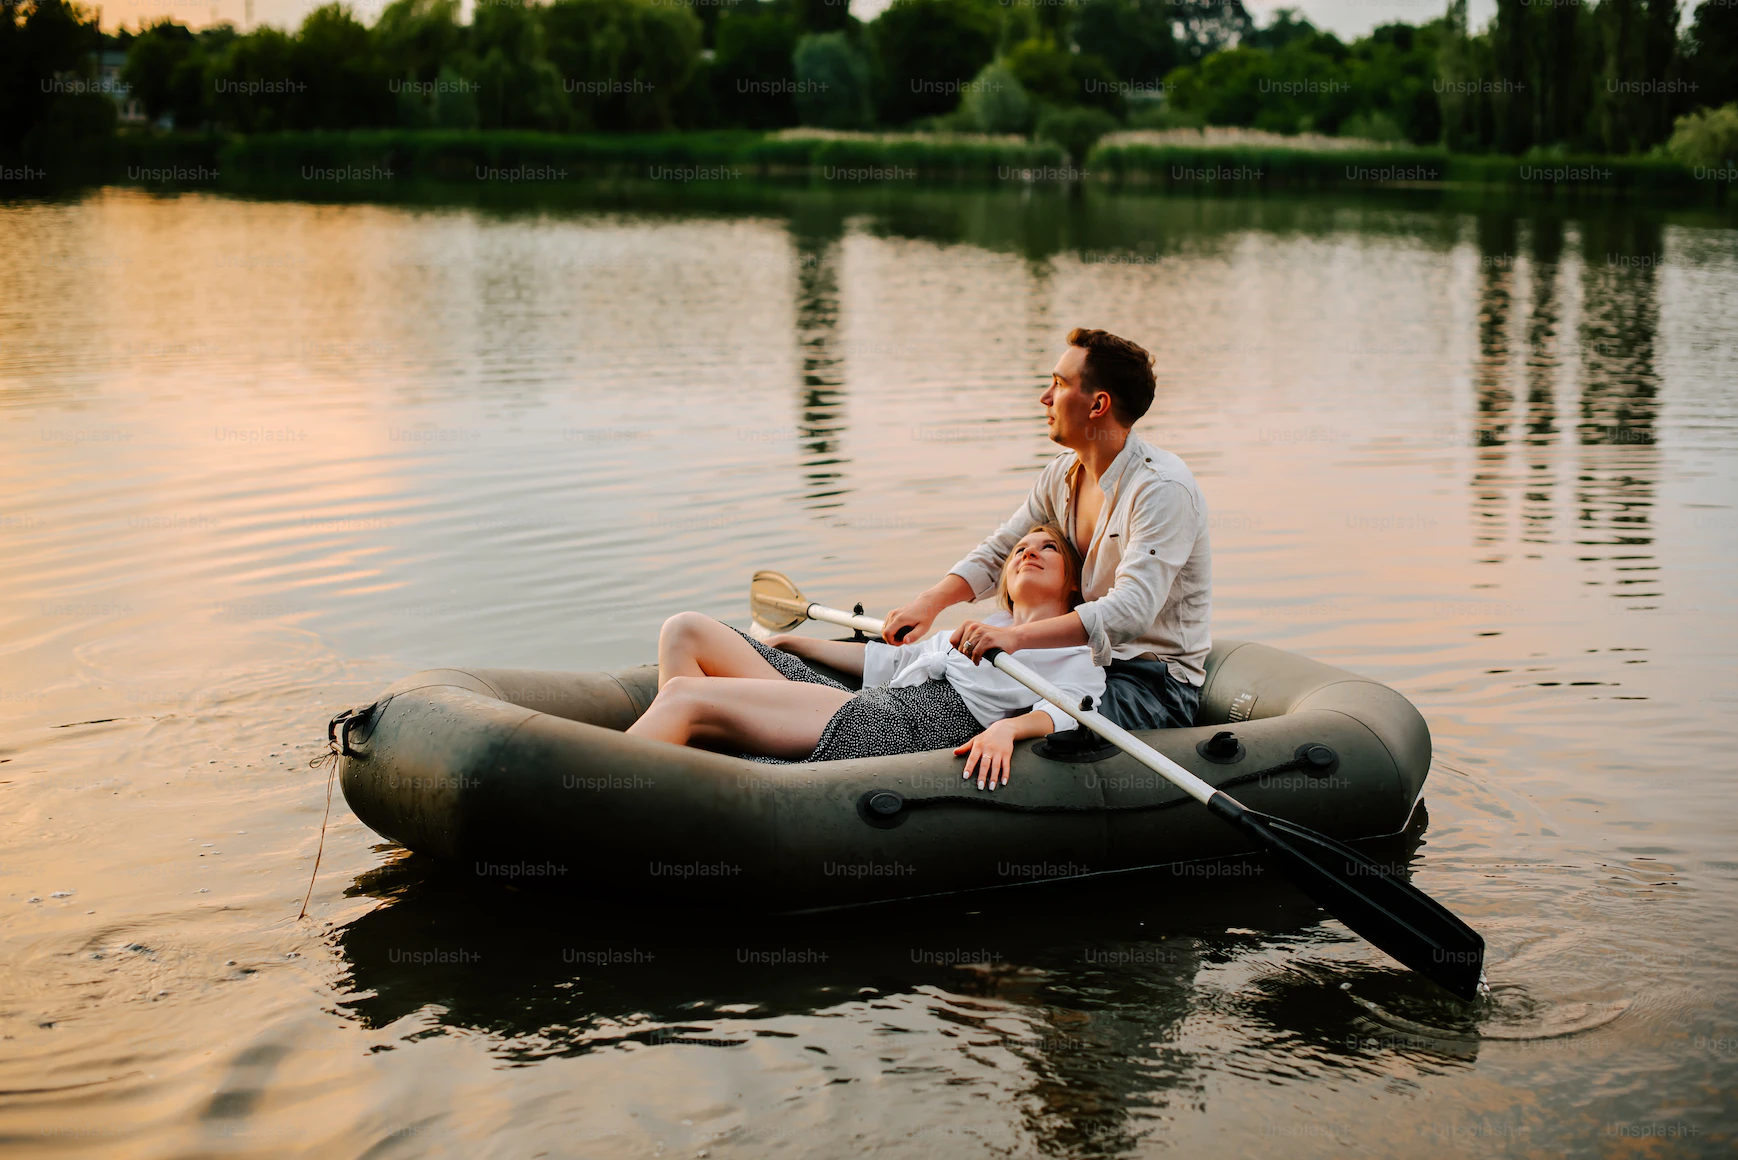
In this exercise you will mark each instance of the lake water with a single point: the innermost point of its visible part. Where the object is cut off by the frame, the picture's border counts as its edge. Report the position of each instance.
(261, 458)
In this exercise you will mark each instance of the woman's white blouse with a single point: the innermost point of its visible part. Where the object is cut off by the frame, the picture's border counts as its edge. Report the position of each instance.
(987, 691)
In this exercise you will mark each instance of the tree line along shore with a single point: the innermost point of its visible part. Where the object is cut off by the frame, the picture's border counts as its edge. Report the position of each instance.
(1612, 97)
(334, 164)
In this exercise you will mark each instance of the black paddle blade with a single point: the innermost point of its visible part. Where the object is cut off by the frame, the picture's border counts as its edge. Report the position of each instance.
(1390, 912)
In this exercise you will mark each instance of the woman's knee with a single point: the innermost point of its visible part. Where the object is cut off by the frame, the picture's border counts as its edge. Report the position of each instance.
(685, 626)
(683, 693)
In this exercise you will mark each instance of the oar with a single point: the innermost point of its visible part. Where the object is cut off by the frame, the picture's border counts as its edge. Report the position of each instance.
(1388, 911)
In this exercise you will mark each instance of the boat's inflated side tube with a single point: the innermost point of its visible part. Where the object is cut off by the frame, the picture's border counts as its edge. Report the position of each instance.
(520, 775)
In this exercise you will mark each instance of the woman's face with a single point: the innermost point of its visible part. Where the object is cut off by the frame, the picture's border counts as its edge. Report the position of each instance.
(1038, 571)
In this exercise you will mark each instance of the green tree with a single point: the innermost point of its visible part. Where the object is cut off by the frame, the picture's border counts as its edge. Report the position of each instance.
(344, 83)
(623, 63)
(165, 71)
(1706, 137)
(1561, 75)
(928, 48)
(1461, 65)
(997, 102)
(1511, 56)
(1712, 59)
(1065, 79)
(1288, 25)
(1206, 26)
(424, 53)
(1224, 88)
(415, 38)
(1077, 130)
(42, 41)
(751, 79)
(822, 15)
(1392, 74)
(517, 85)
(250, 83)
(1382, 86)
(1631, 101)
(1132, 37)
(832, 82)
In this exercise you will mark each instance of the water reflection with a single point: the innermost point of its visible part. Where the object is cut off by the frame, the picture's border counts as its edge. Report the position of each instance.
(1543, 365)
(1619, 465)
(1493, 397)
(821, 416)
(1615, 322)
(1620, 259)
(1544, 327)
(575, 988)
(1085, 989)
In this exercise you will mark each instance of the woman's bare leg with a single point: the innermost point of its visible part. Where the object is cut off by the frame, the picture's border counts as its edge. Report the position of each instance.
(741, 714)
(692, 644)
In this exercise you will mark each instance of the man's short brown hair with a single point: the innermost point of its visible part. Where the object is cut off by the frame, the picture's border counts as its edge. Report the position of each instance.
(1119, 368)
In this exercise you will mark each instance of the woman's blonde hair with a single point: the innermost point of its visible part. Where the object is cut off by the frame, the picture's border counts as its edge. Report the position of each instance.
(1005, 600)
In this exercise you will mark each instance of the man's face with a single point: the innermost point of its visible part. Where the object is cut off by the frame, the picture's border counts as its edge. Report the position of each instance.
(1068, 406)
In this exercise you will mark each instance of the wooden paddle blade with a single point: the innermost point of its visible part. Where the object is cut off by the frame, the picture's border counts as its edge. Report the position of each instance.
(1387, 910)
(775, 603)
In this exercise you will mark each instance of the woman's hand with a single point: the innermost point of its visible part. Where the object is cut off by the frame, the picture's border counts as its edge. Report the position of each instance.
(974, 638)
(990, 753)
(780, 641)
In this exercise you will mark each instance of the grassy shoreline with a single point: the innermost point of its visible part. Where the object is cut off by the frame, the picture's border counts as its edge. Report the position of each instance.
(325, 163)
(385, 156)
(1257, 167)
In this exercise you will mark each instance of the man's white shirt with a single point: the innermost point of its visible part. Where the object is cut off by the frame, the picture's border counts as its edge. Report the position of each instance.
(1148, 573)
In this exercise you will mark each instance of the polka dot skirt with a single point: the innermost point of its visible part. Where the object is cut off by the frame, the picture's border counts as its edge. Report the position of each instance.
(879, 721)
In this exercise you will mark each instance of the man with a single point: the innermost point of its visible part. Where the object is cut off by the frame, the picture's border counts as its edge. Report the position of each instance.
(1140, 522)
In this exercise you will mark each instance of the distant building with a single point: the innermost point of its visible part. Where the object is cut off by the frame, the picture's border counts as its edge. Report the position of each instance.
(110, 61)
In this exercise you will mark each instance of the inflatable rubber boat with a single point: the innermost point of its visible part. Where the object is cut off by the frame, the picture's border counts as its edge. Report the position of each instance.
(525, 776)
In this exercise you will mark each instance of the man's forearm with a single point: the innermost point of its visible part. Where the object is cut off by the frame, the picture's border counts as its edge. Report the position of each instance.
(1063, 631)
(950, 590)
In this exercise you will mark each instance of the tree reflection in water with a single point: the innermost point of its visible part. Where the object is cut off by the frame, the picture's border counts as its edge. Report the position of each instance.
(1087, 985)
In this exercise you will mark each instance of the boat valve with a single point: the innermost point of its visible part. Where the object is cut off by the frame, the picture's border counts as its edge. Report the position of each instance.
(1317, 760)
(886, 802)
(1222, 748)
(882, 808)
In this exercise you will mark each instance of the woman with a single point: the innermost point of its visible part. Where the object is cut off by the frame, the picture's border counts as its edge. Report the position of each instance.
(720, 689)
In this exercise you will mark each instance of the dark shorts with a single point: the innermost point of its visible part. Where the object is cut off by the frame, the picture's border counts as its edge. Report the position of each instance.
(1144, 695)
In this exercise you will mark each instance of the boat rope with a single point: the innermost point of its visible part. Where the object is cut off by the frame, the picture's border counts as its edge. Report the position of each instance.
(337, 745)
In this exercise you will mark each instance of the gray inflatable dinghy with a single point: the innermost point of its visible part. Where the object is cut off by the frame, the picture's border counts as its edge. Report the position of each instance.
(521, 776)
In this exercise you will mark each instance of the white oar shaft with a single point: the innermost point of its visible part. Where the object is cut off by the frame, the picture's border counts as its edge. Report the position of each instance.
(833, 616)
(1088, 718)
(1109, 730)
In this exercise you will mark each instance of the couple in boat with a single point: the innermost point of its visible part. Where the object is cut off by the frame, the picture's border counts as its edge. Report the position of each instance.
(1103, 579)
